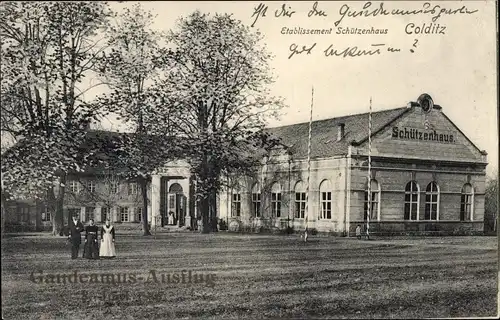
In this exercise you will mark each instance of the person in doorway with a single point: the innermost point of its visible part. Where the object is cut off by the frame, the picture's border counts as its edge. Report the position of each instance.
(107, 249)
(91, 248)
(171, 218)
(75, 236)
(358, 232)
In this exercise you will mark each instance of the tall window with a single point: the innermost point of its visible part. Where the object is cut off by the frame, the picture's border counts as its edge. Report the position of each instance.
(91, 186)
(325, 190)
(300, 200)
(411, 201)
(124, 214)
(74, 211)
(256, 200)
(74, 186)
(24, 213)
(46, 216)
(89, 213)
(236, 205)
(138, 214)
(432, 201)
(276, 200)
(375, 200)
(467, 199)
(171, 202)
(105, 213)
(132, 188)
(114, 186)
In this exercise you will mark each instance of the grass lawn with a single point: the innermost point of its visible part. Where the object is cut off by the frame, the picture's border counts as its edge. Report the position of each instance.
(255, 276)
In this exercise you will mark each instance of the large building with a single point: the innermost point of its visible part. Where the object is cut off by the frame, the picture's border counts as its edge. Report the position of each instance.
(425, 176)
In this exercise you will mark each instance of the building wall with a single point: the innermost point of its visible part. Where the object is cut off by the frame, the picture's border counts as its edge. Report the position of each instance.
(392, 182)
(91, 203)
(396, 160)
(22, 216)
(384, 143)
(289, 175)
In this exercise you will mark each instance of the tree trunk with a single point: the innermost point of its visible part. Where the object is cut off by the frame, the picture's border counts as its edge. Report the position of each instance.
(4, 212)
(205, 215)
(56, 204)
(144, 192)
(213, 211)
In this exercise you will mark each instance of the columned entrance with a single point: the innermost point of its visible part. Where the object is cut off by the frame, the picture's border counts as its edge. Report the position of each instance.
(173, 202)
(176, 205)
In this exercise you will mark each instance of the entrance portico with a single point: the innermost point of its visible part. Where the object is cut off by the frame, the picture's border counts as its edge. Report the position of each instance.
(170, 194)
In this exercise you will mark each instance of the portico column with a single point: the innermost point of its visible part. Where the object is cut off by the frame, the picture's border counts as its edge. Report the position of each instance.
(82, 214)
(97, 214)
(155, 199)
(187, 215)
(114, 214)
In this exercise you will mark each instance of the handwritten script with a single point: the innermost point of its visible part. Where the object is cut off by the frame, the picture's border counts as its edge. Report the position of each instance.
(350, 12)
(368, 10)
(349, 52)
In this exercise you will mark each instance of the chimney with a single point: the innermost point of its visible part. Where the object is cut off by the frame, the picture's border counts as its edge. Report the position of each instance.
(340, 131)
(86, 126)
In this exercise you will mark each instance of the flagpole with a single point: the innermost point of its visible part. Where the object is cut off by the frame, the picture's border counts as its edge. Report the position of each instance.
(308, 166)
(369, 198)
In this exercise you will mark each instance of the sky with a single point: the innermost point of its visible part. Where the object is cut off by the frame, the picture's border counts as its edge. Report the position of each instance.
(455, 61)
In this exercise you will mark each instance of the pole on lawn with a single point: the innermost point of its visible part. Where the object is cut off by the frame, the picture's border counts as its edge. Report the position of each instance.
(369, 198)
(308, 167)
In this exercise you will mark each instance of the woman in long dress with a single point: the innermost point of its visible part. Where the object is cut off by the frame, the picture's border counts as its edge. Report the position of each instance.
(91, 248)
(107, 241)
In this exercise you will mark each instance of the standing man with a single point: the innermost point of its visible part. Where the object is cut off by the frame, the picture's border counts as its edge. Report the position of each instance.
(75, 237)
(358, 232)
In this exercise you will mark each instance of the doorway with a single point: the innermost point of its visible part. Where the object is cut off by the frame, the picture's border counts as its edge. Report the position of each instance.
(176, 214)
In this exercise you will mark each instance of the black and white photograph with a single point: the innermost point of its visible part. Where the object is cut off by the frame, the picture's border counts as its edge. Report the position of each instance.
(249, 159)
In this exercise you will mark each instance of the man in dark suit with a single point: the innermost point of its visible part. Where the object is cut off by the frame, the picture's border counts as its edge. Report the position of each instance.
(75, 237)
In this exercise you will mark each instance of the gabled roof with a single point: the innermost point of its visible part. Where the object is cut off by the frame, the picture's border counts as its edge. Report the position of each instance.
(110, 151)
(324, 133)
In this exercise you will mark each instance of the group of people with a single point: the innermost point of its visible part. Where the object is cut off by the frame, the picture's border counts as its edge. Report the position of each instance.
(92, 249)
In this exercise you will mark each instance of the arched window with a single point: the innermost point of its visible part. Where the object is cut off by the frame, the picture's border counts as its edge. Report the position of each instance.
(466, 203)
(276, 200)
(325, 190)
(256, 200)
(432, 201)
(412, 199)
(236, 202)
(74, 186)
(375, 201)
(300, 200)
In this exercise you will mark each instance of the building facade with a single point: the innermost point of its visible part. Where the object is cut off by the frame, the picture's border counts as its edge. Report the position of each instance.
(104, 195)
(425, 176)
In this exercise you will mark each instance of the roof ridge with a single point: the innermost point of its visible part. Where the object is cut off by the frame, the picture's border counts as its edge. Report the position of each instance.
(336, 118)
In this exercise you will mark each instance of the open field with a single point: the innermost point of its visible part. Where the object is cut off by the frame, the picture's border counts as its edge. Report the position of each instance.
(255, 276)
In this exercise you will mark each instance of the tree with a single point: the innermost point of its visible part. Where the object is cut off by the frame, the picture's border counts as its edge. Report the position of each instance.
(491, 204)
(216, 82)
(130, 69)
(47, 48)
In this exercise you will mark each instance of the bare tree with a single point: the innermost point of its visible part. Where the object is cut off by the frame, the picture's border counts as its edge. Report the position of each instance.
(131, 69)
(216, 81)
(48, 48)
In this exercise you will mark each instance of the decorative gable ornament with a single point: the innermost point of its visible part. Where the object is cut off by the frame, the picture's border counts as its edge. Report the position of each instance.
(425, 102)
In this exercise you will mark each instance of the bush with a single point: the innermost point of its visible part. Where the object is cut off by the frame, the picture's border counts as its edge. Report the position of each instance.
(222, 225)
